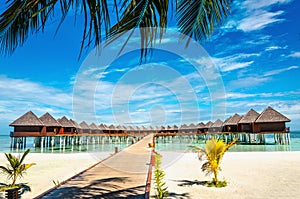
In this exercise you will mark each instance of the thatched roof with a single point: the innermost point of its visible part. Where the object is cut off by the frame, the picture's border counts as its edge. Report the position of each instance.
(184, 126)
(250, 117)
(144, 128)
(75, 124)
(271, 115)
(217, 124)
(65, 122)
(28, 119)
(137, 128)
(174, 127)
(112, 127)
(200, 125)
(84, 125)
(130, 128)
(103, 127)
(192, 126)
(208, 124)
(93, 126)
(48, 120)
(233, 120)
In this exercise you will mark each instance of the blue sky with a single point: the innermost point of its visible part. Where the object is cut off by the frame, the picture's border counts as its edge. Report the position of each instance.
(251, 61)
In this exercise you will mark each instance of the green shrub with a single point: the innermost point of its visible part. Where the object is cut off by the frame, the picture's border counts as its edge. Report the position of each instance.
(161, 188)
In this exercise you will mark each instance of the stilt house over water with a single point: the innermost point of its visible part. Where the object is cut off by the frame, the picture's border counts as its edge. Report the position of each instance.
(246, 124)
(28, 124)
(270, 120)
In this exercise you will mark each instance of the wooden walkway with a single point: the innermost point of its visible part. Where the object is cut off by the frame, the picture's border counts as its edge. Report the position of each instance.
(123, 175)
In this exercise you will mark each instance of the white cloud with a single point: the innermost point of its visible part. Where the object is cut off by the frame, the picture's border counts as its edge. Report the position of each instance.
(255, 15)
(248, 82)
(278, 71)
(259, 20)
(271, 48)
(19, 96)
(294, 54)
(235, 62)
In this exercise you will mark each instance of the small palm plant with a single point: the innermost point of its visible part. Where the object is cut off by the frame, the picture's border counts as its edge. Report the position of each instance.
(213, 151)
(15, 169)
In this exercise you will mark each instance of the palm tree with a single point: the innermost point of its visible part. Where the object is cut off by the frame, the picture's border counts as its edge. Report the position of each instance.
(213, 151)
(16, 168)
(107, 19)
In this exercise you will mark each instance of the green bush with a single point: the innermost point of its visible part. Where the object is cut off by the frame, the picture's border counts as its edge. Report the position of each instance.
(161, 188)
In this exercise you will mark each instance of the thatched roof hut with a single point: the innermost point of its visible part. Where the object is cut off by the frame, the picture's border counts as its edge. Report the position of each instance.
(246, 123)
(28, 119)
(217, 126)
(51, 124)
(27, 125)
(93, 126)
(65, 122)
(68, 126)
(271, 120)
(103, 127)
(200, 125)
(250, 117)
(49, 121)
(231, 124)
(208, 124)
(271, 115)
(84, 125)
(77, 126)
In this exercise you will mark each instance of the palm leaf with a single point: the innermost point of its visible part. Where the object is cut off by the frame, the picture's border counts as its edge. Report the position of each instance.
(148, 15)
(22, 18)
(197, 19)
(24, 155)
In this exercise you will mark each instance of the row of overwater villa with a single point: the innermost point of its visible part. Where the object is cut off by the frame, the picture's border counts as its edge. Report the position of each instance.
(249, 128)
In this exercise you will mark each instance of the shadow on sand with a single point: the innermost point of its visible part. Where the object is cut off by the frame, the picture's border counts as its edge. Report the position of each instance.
(104, 188)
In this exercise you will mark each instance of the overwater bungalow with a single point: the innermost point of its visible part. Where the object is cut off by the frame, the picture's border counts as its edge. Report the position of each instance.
(51, 125)
(112, 129)
(27, 125)
(67, 126)
(192, 128)
(183, 128)
(94, 128)
(231, 124)
(103, 128)
(77, 126)
(85, 129)
(207, 126)
(246, 123)
(200, 127)
(216, 127)
(270, 120)
(174, 129)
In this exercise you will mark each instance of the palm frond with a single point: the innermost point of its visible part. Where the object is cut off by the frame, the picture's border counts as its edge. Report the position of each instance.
(148, 15)
(197, 18)
(24, 155)
(22, 18)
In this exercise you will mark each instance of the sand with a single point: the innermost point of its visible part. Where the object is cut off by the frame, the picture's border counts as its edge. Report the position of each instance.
(49, 167)
(249, 175)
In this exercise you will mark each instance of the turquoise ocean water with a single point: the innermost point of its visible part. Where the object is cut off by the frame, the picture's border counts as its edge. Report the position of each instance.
(103, 147)
(183, 144)
(175, 144)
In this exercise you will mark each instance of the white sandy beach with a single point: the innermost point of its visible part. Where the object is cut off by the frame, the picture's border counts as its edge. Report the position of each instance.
(49, 167)
(249, 175)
